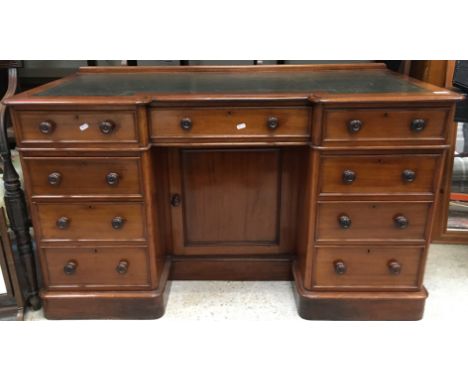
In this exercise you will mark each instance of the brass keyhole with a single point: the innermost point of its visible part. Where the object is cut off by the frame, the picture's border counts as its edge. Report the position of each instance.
(175, 200)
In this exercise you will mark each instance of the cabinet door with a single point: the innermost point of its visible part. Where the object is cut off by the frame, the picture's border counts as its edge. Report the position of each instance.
(233, 201)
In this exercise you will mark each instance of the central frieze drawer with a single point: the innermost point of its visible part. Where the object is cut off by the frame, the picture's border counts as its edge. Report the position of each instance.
(67, 127)
(96, 267)
(187, 123)
(83, 176)
(378, 174)
(367, 267)
(91, 221)
(385, 126)
(372, 221)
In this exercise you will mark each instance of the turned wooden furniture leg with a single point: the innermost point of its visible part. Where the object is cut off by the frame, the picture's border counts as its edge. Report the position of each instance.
(15, 205)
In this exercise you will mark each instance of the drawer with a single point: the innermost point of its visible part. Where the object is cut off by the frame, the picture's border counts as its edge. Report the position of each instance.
(212, 123)
(378, 174)
(420, 126)
(96, 267)
(367, 267)
(83, 176)
(91, 221)
(372, 221)
(56, 127)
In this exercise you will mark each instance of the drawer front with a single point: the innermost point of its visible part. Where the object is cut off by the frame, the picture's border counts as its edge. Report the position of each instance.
(378, 174)
(91, 221)
(96, 267)
(83, 176)
(48, 128)
(284, 123)
(372, 221)
(367, 267)
(385, 126)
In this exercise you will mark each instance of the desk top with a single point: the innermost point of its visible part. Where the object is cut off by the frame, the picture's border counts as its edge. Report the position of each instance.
(295, 82)
(125, 84)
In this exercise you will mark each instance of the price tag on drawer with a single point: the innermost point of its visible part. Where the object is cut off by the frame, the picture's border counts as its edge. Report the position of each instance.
(84, 126)
(241, 126)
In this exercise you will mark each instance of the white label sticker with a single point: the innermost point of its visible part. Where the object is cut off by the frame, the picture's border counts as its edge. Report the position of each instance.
(241, 126)
(84, 126)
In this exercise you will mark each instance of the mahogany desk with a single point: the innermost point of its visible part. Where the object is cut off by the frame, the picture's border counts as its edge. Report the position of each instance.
(324, 175)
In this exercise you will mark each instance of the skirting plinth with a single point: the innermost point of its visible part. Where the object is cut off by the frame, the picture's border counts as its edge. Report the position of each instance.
(391, 306)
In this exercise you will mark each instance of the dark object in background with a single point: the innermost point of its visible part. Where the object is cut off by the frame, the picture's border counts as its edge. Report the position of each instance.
(392, 64)
(460, 76)
(14, 199)
(460, 81)
(458, 208)
(461, 112)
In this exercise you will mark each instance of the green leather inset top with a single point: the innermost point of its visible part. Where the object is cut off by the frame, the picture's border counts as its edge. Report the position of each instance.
(331, 81)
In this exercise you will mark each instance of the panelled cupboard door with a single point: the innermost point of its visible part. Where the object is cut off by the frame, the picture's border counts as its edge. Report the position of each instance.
(233, 201)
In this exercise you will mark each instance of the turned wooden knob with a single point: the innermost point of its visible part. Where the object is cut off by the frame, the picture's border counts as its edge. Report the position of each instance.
(272, 123)
(46, 127)
(354, 126)
(54, 178)
(408, 176)
(112, 179)
(340, 267)
(70, 267)
(186, 123)
(107, 127)
(349, 176)
(394, 267)
(418, 125)
(122, 267)
(401, 221)
(63, 222)
(118, 222)
(344, 221)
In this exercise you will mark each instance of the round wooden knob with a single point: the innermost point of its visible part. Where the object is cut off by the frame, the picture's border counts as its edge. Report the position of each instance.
(354, 126)
(272, 123)
(107, 127)
(408, 176)
(401, 221)
(418, 125)
(394, 267)
(54, 178)
(349, 176)
(70, 267)
(63, 222)
(47, 127)
(112, 179)
(186, 123)
(122, 267)
(118, 222)
(340, 267)
(344, 221)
